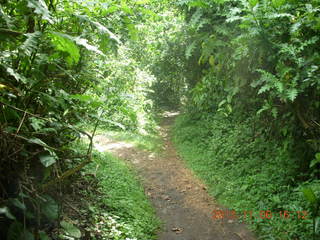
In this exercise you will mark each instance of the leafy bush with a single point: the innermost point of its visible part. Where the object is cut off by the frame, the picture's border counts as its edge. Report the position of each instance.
(247, 171)
(121, 210)
(62, 66)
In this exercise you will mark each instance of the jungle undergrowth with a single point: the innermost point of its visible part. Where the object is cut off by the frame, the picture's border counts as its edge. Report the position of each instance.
(113, 205)
(246, 173)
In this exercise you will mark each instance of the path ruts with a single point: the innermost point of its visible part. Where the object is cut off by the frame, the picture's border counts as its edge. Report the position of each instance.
(180, 199)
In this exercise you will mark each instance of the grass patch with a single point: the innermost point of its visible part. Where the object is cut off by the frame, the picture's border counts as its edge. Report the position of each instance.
(247, 172)
(117, 208)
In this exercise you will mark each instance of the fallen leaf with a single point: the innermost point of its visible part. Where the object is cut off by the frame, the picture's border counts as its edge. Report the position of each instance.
(177, 230)
(166, 197)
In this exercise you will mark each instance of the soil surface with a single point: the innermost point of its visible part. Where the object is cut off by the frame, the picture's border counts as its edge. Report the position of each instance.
(180, 199)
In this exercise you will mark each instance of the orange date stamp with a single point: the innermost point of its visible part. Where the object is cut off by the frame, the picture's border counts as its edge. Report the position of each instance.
(219, 214)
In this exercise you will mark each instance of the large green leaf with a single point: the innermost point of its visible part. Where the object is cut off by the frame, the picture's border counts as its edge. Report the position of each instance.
(38, 141)
(47, 159)
(67, 43)
(16, 75)
(70, 229)
(50, 208)
(309, 195)
(84, 42)
(16, 202)
(106, 30)
(7, 213)
(63, 43)
(253, 3)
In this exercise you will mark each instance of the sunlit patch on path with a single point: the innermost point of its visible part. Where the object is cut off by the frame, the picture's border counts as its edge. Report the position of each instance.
(180, 199)
(103, 143)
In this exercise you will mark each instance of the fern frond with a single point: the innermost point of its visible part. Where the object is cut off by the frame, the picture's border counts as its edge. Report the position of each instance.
(31, 43)
(190, 48)
(196, 17)
(292, 94)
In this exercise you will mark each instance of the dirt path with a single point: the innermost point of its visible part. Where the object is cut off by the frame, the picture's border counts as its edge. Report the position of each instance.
(180, 199)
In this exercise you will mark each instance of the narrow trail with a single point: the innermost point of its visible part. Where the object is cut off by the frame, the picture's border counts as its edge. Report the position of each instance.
(180, 199)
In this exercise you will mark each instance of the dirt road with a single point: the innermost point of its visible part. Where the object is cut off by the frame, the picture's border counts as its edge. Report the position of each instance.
(180, 199)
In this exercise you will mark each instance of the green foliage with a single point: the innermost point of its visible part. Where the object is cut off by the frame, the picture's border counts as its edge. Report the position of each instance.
(254, 101)
(64, 44)
(246, 170)
(315, 209)
(16, 231)
(263, 55)
(40, 7)
(63, 65)
(129, 214)
(50, 208)
(70, 229)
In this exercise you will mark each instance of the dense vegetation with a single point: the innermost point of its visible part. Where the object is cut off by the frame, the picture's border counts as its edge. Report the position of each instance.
(123, 211)
(245, 73)
(63, 65)
(251, 128)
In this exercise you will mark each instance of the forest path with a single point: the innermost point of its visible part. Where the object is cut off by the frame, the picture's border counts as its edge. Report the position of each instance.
(180, 199)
